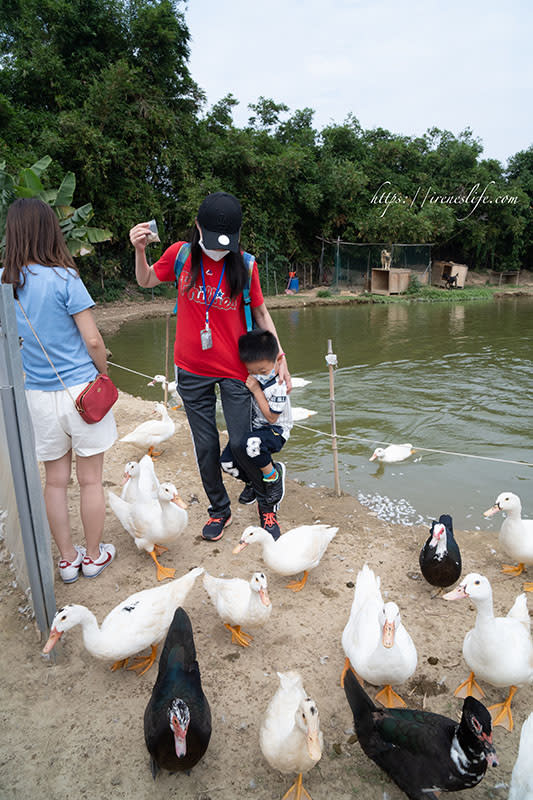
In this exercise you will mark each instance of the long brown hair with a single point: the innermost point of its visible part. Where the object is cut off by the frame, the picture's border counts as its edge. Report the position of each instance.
(33, 236)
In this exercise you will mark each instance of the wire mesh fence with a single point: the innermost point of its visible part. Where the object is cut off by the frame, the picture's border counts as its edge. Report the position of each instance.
(351, 264)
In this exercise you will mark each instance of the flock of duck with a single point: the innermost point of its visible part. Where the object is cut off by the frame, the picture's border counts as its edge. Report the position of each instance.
(423, 752)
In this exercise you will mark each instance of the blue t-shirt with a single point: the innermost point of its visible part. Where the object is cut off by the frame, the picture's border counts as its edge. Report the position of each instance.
(50, 296)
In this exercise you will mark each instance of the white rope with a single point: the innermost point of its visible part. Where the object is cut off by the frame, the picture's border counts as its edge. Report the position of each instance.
(425, 449)
(151, 377)
(369, 441)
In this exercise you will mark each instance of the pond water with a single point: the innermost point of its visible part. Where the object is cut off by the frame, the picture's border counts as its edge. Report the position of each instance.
(443, 376)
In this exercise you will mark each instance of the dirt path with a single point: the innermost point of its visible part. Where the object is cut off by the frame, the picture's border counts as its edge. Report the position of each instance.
(74, 729)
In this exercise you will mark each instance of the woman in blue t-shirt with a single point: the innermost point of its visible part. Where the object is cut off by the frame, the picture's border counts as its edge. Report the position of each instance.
(53, 306)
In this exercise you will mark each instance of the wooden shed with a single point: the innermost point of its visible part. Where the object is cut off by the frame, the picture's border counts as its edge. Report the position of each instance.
(442, 270)
(390, 281)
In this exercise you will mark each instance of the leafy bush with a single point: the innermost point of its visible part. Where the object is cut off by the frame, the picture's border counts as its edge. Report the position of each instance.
(324, 293)
(113, 289)
(414, 285)
(79, 236)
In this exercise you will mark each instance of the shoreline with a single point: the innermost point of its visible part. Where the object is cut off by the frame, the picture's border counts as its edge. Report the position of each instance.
(110, 316)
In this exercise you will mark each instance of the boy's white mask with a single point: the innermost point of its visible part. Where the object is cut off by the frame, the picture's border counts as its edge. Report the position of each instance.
(216, 255)
(265, 378)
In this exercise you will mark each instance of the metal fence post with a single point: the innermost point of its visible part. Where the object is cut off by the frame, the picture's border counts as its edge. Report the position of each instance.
(24, 468)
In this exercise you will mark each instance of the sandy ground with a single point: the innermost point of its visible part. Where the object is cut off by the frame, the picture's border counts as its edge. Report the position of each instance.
(74, 728)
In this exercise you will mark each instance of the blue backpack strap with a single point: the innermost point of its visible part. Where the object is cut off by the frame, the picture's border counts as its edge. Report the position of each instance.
(249, 260)
(181, 258)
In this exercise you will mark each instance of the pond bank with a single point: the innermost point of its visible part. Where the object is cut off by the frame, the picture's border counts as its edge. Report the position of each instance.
(110, 316)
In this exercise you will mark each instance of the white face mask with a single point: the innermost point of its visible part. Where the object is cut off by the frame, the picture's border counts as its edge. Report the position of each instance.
(216, 255)
(265, 378)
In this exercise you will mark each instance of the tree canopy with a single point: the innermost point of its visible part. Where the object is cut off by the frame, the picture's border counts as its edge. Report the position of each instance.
(103, 87)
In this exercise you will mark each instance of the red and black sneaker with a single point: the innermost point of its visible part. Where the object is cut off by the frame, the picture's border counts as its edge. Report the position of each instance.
(213, 529)
(268, 521)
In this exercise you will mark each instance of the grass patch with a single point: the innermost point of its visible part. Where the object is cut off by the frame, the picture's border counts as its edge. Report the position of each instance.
(454, 295)
(324, 293)
(432, 294)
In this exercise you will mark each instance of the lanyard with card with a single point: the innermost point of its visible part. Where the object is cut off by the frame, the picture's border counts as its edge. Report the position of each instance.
(205, 334)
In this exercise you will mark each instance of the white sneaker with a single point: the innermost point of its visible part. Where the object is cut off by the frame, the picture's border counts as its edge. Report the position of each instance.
(70, 570)
(91, 569)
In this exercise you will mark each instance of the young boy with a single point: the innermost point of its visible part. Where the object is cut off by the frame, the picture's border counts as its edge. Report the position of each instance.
(271, 415)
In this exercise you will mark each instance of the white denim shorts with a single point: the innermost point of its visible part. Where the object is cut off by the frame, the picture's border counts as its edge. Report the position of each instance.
(59, 428)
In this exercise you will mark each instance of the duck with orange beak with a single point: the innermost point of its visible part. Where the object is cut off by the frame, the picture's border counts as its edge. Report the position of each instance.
(290, 735)
(378, 648)
(239, 602)
(499, 650)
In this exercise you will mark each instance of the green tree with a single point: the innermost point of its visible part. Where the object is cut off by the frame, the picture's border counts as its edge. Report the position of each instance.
(103, 86)
(520, 179)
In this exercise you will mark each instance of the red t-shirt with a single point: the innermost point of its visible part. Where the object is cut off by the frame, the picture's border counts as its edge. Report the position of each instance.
(226, 317)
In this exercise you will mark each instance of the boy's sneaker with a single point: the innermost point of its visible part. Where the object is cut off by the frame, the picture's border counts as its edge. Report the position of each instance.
(91, 569)
(268, 521)
(70, 570)
(247, 496)
(275, 490)
(213, 529)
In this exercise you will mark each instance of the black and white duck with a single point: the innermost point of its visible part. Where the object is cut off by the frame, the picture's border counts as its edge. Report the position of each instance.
(177, 719)
(423, 753)
(440, 559)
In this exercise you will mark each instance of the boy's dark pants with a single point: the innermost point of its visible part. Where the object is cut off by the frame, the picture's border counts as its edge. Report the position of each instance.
(258, 445)
(199, 401)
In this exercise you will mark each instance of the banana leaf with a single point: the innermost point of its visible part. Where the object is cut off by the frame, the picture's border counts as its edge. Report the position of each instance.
(65, 192)
(40, 166)
(30, 180)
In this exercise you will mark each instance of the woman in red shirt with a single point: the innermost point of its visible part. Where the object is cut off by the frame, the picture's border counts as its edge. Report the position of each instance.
(210, 319)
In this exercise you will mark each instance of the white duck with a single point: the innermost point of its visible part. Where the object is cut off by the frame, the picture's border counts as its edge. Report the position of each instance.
(516, 534)
(298, 549)
(392, 453)
(152, 432)
(522, 778)
(140, 621)
(290, 735)
(171, 389)
(240, 602)
(498, 650)
(153, 523)
(375, 642)
(299, 383)
(299, 413)
(139, 479)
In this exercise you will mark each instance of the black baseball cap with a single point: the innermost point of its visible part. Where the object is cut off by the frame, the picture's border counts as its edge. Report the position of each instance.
(220, 219)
